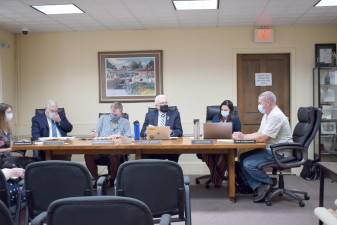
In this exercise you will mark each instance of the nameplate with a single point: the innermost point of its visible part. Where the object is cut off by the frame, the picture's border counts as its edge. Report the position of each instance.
(148, 142)
(53, 143)
(23, 143)
(202, 142)
(102, 142)
(244, 141)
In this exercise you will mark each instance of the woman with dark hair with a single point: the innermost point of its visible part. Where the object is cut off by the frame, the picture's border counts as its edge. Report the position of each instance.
(6, 115)
(217, 163)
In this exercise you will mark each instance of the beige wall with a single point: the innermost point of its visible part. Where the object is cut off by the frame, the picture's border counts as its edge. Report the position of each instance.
(199, 69)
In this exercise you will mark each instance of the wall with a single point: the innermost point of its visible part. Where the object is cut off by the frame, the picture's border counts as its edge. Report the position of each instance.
(199, 69)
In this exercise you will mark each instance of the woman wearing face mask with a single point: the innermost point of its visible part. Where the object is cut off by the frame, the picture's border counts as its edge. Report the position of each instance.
(6, 115)
(217, 164)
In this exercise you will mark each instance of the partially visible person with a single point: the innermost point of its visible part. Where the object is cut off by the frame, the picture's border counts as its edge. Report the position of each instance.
(217, 163)
(12, 174)
(52, 123)
(161, 117)
(274, 129)
(6, 115)
(114, 126)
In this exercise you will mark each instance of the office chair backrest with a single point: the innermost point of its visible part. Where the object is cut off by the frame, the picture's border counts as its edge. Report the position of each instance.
(157, 183)
(5, 216)
(170, 108)
(124, 115)
(4, 192)
(213, 110)
(48, 181)
(41, 111)
(100, 210)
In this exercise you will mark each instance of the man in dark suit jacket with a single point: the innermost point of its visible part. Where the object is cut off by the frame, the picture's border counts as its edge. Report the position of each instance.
(163, 116)
(51, 123)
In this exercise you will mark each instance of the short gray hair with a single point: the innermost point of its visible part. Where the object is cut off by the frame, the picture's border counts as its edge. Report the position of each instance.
(51, 103)
(159, 97)
(117, 105)
(268, 96)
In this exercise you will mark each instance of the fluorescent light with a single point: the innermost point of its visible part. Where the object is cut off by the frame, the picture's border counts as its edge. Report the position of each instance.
(58, 9)
(195, 4)
(326, 3)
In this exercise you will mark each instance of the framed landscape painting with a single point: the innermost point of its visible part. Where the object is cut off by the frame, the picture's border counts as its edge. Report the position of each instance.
(130, 76)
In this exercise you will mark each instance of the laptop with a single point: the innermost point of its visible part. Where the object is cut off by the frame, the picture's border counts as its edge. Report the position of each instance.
(218, 130)
(158, 133)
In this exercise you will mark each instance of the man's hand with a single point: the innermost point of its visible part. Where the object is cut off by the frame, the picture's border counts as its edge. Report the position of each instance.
(57, 118)
(13, 173)
(115, 136)
(238, 135)
(93, 134)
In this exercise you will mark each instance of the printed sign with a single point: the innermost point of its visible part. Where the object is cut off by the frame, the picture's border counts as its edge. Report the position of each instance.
(263, 79)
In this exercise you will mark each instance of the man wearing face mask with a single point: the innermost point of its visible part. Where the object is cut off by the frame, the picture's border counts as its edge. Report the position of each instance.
(163, 116)
(51, 124)
(274, 129)
(114, 126)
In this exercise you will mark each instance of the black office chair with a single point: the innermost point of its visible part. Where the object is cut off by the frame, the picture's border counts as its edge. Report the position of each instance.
(211, 111)
(160, 184)
(170, 108)
(102, 210)
(42, 111)
(14, 211)
(104, 160)
(48, 181)
(309, 120)
(5, 215)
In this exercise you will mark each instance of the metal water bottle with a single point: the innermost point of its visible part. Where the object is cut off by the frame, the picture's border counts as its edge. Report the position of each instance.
(196, 129)
(136, 130)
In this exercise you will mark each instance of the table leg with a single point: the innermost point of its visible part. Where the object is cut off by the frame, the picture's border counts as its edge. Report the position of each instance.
(138, 155)
(49, 155)
(321, 192)
(231, 175)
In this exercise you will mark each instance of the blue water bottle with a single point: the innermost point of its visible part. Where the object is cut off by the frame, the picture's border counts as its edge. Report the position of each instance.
(136, 130)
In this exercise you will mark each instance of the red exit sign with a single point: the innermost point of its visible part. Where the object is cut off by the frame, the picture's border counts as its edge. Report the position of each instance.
(264, 35)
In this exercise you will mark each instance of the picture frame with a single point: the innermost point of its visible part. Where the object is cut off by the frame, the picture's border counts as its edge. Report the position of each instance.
(328, 127)
(325, 54)
(130, 76)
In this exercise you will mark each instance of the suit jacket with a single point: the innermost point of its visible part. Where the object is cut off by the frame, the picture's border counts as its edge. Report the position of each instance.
(172, 120)
(236, 124)
(40, 127)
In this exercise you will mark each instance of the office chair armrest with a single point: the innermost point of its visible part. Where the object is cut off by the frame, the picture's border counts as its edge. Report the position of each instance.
(101, 185)
(165, 219)
(278, 148)
(186, 180)
(40, 219)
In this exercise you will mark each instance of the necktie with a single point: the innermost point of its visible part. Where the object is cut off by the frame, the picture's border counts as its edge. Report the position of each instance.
(162, 121)
(53, 129)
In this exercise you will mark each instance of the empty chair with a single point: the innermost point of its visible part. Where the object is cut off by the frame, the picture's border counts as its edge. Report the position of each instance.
(309, 120)
(160, 184)
(48, 181)
(102, 210)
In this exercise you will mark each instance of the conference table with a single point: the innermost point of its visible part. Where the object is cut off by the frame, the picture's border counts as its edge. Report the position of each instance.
(174, 146)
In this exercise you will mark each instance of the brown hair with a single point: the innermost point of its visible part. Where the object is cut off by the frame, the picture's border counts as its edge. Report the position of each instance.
(230, 105)
(4, 125)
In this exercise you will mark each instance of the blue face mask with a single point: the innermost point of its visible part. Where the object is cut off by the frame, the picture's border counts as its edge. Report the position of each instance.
(114, 118)
(224, 113)
(261, 109)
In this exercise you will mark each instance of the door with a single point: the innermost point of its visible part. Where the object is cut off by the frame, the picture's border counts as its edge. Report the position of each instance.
(249, 64)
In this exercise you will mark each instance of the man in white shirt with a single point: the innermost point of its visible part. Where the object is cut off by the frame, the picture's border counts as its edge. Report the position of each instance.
(274, 129)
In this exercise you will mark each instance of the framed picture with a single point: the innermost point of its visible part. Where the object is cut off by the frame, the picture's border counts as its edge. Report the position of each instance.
(325, 54)
(328, 127)
(130, 76)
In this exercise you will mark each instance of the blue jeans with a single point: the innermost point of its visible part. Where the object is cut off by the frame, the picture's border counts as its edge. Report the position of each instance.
(252, 163)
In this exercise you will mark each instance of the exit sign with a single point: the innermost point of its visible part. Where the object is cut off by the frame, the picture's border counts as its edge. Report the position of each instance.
(264, 35)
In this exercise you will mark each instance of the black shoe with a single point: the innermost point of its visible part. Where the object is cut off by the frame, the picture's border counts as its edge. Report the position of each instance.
(262, 192)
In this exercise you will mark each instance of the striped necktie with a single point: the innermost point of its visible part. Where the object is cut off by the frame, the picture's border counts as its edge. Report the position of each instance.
(162, 121)
(53, 129)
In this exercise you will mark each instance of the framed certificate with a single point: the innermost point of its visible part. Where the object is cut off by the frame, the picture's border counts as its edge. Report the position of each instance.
(325, 54)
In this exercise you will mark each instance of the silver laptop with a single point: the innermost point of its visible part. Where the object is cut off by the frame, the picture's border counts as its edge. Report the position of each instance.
(158, 133)
(218, 130)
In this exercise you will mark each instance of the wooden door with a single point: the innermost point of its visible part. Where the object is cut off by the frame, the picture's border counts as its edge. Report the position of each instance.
(249, 64)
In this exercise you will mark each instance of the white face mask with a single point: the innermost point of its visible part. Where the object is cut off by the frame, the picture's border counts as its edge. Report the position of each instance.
(261, 109)
(224, 113)
(9, 116)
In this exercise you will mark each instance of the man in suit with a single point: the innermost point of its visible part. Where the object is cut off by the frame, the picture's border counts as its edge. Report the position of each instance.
(51, 123)
(163, 116)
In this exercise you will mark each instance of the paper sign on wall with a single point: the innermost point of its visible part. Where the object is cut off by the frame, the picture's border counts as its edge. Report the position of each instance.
(263, 79)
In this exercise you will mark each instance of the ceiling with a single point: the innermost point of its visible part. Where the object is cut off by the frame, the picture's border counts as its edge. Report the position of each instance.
(16, 15)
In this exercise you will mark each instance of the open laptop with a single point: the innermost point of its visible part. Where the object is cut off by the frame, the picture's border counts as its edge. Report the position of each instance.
(158, 133)
(218, 130)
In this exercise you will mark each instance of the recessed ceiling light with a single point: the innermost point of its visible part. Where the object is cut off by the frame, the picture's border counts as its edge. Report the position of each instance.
(326, 3)
(195, 4)
(58, 9)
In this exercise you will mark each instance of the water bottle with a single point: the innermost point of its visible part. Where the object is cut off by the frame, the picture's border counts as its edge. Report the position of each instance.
(136, 130)
(196, 129)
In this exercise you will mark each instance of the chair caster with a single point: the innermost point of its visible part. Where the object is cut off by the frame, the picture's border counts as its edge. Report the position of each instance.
(268, 203)
(301, 204)
(306, 197)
